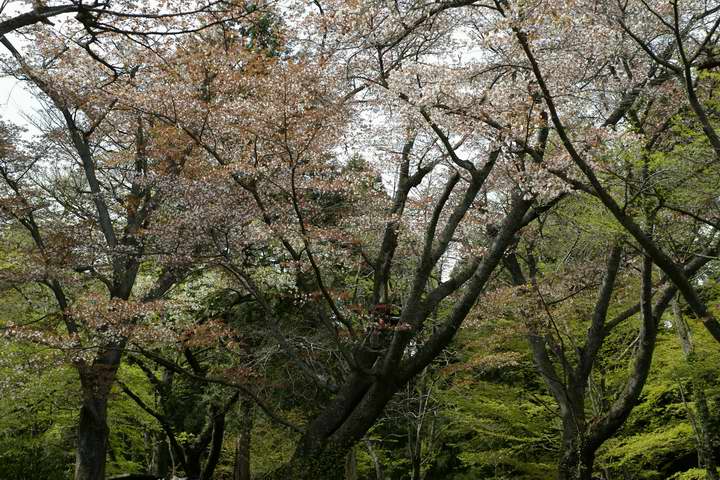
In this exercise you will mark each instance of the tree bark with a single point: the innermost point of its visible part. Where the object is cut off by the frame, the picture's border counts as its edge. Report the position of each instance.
(218, 434)
(576, 460)
(674, 272)
(92, 439)
(576, 463)
(193, 468)
(160, 462)
(241, 470)
(705, 434)
(93, 432)
(161, 458)
(320, 454)
(581, 439)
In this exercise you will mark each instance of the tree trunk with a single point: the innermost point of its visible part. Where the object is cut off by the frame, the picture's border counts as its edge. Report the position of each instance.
(705, 434)
(415, 448)
(416, 468)
(193, 466)
(96, 381)
(576, 458)
(160, 461)
(92, 439)
(320, 453)
(576, 463)
(241, 470)
(218, 435)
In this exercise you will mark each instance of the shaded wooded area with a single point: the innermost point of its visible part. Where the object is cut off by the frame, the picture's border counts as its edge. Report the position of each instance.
(361, 240)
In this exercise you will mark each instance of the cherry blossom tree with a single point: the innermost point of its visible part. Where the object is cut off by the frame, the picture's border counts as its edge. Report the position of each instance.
(362, 171)
(460, 196)
(600, 79)
(674, 29)
(262, 128)
(92, 193)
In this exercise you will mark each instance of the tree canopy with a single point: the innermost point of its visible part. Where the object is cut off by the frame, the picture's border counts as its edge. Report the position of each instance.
(360, 240)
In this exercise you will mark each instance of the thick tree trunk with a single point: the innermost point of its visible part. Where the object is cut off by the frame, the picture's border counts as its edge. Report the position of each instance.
(323, 447)
(218, 435)
(241, 471)
(576, 463)
(96, 381)
(193, 466)
(160, 462)
(576, 458)
(92, 439)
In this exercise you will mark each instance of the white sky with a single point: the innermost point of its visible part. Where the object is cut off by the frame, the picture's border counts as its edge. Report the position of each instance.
(16, 102)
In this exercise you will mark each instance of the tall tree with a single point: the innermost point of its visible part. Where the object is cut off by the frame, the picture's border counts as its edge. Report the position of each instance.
(112, 169)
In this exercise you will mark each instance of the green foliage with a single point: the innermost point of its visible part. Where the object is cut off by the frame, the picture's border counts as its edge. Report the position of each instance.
(130, 426)
(651, 454)
(658, 440)
(501, 422)
(492, 419)
(271, 446)
(692, 474)
(37, 420)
